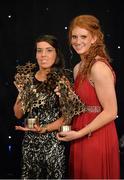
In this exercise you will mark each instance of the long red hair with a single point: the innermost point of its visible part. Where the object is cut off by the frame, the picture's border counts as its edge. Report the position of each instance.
(91, 24)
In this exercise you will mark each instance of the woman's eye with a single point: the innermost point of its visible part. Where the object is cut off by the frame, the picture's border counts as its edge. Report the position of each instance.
(49, 50)
(83, 37)
(74, 37)
(38, 50)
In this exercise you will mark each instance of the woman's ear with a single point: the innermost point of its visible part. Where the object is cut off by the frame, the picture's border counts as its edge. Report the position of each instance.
(94, 39)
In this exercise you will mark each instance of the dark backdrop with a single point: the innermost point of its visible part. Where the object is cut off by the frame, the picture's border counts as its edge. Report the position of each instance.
(20, 23)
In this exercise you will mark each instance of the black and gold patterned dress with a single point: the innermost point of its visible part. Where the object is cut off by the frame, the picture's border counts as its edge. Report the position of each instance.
(43, 154)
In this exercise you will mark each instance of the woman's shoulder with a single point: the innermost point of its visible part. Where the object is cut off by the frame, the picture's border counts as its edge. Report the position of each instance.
(76, 67)
(101, 62)
(101, 69)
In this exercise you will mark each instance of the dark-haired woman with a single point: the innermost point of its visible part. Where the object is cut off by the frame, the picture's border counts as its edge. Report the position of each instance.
(43, 154)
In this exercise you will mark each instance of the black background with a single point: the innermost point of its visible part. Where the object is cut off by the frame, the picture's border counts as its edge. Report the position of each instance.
(20, 23)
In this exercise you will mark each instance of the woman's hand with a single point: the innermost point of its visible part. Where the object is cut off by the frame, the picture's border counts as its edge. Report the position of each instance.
(57, 91)
(40, 129)
(21, 128)
(68, 136)
(36, 129)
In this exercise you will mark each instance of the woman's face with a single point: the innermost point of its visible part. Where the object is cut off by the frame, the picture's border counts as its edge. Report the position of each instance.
(45, 55)
(81, 40)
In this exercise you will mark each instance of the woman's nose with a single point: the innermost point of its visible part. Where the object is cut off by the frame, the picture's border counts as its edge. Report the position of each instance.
(78, 40)
(43, 53)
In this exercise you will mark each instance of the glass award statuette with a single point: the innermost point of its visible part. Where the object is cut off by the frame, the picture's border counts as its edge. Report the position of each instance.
(70, 104)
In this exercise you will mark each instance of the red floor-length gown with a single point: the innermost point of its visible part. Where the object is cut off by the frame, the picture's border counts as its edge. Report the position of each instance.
(97, 156)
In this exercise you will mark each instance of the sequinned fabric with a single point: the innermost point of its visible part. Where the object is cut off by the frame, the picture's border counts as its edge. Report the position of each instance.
(43, 154)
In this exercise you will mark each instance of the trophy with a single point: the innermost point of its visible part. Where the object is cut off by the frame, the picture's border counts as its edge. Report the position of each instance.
(27, 92)
(70, 104)
(30, 122)
(30, 95)
(24, 84)
(65, 128)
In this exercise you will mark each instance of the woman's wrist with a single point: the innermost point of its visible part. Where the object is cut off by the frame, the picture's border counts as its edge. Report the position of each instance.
(50, 127)
(79, 134)
(85, 132)
(44, 128)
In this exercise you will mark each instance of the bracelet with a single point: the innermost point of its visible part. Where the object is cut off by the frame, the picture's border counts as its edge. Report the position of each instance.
(90, 133)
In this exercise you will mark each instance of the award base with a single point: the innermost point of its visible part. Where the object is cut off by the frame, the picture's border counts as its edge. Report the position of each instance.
(65, 128)
(30, 122)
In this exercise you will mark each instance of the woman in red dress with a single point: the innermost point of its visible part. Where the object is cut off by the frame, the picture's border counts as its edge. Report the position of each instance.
(94, 150)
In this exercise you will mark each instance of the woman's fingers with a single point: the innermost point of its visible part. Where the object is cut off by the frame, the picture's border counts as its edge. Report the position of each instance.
(21, 128)
(57, 91)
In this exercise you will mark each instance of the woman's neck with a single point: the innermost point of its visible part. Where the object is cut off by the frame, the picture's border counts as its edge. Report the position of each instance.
(41, 75)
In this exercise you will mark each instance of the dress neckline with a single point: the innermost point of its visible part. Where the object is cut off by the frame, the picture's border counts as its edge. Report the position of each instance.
(40, 81)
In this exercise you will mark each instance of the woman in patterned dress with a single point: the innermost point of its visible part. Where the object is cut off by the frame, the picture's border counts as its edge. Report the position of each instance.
(43, 154)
